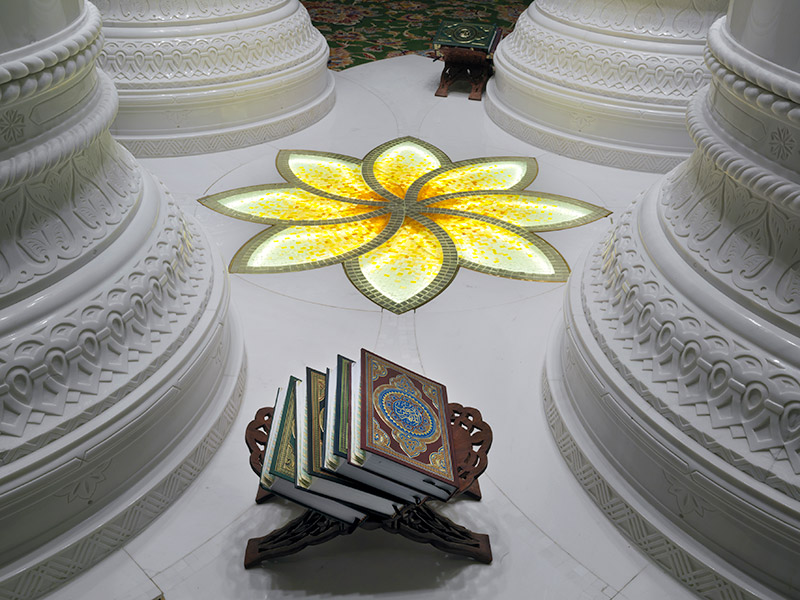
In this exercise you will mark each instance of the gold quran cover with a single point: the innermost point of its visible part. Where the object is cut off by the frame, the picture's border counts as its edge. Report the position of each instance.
(405, 418)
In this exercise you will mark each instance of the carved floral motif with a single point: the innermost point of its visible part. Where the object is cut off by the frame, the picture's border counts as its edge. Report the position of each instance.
(55, 217)
(687, 501)
(781, 143)
(85, 487)
(676, 356)
(90, 358)
(12, 126)
(747, 241)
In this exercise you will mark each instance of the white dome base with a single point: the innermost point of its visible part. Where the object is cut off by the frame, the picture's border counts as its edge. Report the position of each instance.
(606, 82)
(196, 77)
(638, 121)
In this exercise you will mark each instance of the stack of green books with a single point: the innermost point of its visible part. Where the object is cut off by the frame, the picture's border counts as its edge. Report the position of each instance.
(353, 452)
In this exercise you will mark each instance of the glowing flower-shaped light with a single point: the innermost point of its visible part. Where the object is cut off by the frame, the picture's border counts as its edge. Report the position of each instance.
(403, 220)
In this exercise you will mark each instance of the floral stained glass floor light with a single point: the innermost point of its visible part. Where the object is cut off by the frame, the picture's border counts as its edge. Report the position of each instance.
(403, 220)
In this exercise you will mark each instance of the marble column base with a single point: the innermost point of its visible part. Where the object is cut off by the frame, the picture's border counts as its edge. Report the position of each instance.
(167, 381)
(594, 126)
(178, 124)
(605, 82)
(722, 520)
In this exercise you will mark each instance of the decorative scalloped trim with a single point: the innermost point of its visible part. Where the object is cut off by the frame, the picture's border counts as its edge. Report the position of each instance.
(215, 141)
(124, 376)
(210, 57)
(747, 65)
(760, 180)
(682, 565)
(613, 285)
(602, 16)
(194, 11)
(57, 569)
(636, 160)
(750, 92)
(40, 71)
(64, 146)
(618, 72)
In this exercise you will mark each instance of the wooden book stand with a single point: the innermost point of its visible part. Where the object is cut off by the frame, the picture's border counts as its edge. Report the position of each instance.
(472, 439)
(464, 63)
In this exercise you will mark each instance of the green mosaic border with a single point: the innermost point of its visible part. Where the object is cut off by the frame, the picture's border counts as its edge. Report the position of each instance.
(282, 164)
(214, 202)
(596, 212)
(450, 265)
(239, 262)
(531, 172)
(368, 165)
(560, 266)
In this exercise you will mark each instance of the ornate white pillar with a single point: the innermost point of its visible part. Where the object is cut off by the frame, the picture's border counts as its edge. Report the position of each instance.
(197, 76)
(606, 81)
(674, 389)
(120, 368)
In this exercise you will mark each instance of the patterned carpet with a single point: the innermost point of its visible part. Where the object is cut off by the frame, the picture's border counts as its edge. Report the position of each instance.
(360, 31)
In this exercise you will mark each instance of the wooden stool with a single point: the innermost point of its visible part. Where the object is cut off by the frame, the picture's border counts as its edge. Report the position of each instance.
(472, 439)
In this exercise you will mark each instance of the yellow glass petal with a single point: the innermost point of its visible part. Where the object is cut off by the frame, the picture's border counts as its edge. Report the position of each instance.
(310, 246)
(493, 174)
(404, 265)
(289, 204)
(526, 210)
(329, 175)
(397, 167)
(494, 249)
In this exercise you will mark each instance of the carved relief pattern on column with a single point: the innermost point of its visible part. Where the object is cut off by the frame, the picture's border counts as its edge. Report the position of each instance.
(115, 338)
(214, 58)
(688, 366)
(56, 217)
(666, 553)
(56, 568)
(682, 328)
(677, 18)
(143, 11)
(82, 362)
(197, 76)
(748, 242)
(630, 65)
(603, 69)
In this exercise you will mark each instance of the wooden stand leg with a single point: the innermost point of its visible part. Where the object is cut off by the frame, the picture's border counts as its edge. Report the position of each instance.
(263, 495)
(473, 492)
(306, 530)
(478, 78)
(450, 73)
(421, 524)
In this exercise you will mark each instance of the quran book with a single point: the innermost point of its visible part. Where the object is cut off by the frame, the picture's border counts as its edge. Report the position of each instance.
(269, 450)
(310, 435)
(402, 427)
(335, 451)
(280, 462)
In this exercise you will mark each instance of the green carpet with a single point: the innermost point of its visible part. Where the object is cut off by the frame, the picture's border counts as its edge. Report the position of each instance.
(360, 31)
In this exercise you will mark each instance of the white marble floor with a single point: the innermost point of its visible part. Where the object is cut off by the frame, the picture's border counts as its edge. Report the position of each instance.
(484, 337)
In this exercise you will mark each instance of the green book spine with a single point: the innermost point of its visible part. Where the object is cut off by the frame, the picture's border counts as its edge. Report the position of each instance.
(284, 459)
(344, 384)
(317, 397)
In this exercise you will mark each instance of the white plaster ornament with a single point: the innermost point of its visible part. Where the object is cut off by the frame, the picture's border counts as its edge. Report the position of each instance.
(121, 368)
(605, 81)
(195, 76)
(673, 388)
